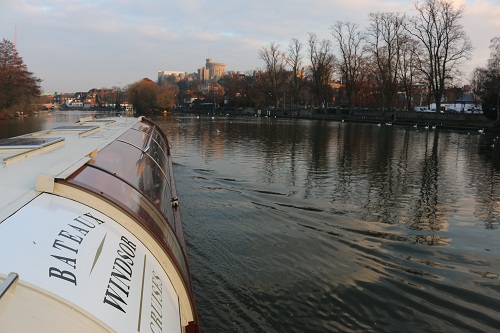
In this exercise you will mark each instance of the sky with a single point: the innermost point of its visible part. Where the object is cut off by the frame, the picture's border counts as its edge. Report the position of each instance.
(77, 45)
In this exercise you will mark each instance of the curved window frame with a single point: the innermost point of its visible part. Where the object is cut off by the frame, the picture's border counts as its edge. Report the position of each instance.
(113, 176)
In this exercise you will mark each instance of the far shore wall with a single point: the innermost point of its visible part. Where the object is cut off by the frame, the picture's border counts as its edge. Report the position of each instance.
(375, 116)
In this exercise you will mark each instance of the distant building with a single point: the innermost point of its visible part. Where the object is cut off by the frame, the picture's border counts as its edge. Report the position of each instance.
(210, 88)
(204, 74)
(215, 70)
(176, 76)
(212, 71)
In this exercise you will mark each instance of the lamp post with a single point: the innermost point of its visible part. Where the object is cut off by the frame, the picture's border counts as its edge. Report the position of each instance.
(213, 89)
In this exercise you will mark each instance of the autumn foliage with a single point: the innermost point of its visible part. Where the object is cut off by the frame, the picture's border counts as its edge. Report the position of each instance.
(148, 97)
(19, 88)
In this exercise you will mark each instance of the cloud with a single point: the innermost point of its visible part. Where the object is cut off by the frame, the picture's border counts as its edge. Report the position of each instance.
(77, 45)
(486, 12)
(481, 22)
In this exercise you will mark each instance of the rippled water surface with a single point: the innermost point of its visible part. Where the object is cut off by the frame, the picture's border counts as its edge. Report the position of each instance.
(315, 226)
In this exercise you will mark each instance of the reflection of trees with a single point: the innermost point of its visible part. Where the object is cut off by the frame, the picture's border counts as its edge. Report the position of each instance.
(272, 146)
(379, 173)
(318, 166)
(366, 173)
(488, 206)
(384, 184)
(485, 179)
(342, 185)
(392, 175)
(425, 209)
(291, 178)
(278, 142)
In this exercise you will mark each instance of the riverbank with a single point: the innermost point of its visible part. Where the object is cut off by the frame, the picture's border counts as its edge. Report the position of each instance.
(449, 120)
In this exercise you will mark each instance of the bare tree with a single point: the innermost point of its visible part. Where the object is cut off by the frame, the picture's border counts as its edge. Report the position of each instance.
(384, 43)
(275, 61)
(294, 59)
(494, 60)
(437, 27)
(408, 71)
(350, 43)
(486, 82)
(322, 63)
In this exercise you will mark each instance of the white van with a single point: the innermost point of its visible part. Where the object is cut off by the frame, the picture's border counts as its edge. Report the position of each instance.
(422, 109)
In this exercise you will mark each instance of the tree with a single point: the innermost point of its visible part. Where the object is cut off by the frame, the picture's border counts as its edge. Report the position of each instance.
(486, 81)
(18, 86)
(494, 60)
(253, 90)
(385, 41)
(233, 89)
(322, 63)
(408, 72)
(350, 43)
(275, 61)
(118, 96)
(143, 95)
(167, 95)
(437, 27)
(294, 60)
(186, 86)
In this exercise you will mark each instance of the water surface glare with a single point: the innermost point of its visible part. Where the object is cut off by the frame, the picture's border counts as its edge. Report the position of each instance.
(315, 226)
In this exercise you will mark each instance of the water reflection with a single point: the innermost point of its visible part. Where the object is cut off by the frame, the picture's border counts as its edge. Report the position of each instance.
(311, 226)
(376, 169)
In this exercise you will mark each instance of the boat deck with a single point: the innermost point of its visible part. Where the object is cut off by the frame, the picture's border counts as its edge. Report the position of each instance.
(51, 153)
(90, 221)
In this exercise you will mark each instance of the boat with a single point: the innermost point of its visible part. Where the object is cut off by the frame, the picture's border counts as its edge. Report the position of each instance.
(91, 237)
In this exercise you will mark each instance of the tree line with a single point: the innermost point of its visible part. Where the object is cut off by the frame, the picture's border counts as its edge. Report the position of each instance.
(391, 55)
(378, 66)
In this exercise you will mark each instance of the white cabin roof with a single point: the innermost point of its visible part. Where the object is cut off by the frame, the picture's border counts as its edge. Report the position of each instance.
(20, 166)
(130, 264)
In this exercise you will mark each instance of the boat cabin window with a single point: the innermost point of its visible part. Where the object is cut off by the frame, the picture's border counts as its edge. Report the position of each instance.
(142, 187)
(27, 142)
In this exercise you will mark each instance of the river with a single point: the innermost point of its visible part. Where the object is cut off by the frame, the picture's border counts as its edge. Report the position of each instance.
(315, 226)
